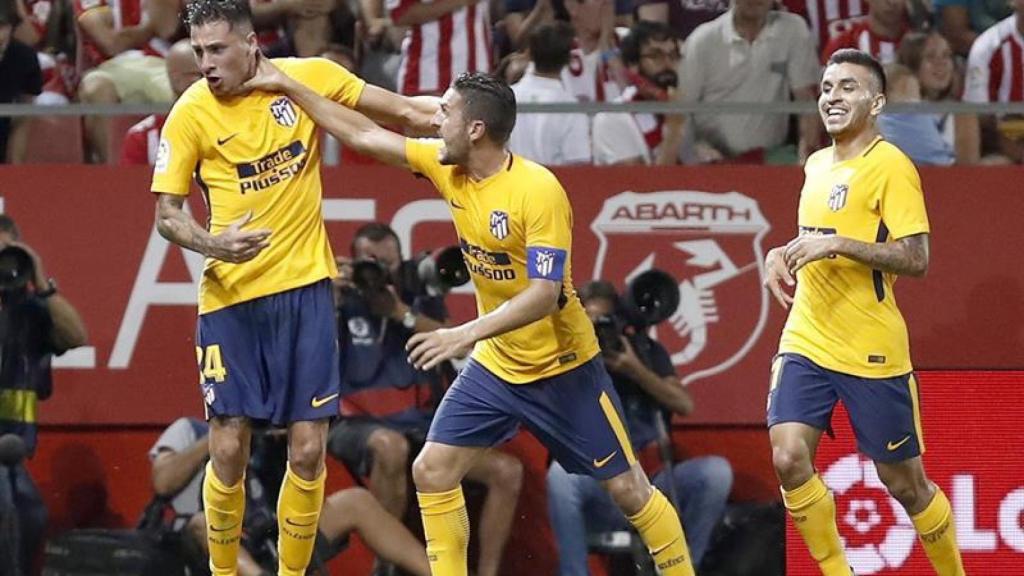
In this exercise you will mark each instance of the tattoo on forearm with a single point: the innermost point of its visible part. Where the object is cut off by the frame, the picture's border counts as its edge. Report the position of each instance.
(906, 256)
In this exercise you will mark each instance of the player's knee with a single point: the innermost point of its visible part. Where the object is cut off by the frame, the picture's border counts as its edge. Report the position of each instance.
(429, 474)
(306, 455)
(911, 494)
(97, 88)
(717, 474)
(390, 450)
(792, 465)
(229, 459)
(350, 502)
(630, 490)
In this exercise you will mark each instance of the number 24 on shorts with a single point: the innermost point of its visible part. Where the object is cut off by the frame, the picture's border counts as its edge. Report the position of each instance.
(211, 364)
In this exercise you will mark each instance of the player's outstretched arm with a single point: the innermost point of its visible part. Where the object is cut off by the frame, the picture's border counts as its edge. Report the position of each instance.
(231, 245)
(414, 113)
(539, 299)
(907, 256)
(350, 127)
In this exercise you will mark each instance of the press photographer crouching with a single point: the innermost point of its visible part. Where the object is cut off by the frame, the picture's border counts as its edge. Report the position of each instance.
(651, 392)
(36, 322)
(387, 404)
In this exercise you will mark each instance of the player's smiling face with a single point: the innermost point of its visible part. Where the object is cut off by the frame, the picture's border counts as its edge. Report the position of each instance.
(850, 99)
(451, 126)
(226, 54)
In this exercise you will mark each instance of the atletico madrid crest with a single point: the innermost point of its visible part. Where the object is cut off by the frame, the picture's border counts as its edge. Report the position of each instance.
(837, 197)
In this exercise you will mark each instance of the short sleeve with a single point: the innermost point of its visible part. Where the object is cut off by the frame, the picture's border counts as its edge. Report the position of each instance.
(548, 221)
(902, 202)
(331, 80)
(421, 155)
(176, 438)
(177, 154)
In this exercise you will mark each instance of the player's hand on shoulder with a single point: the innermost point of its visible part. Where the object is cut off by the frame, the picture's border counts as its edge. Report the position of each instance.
(237, 245)
(776, 273)
(268, 77)
(428, 349)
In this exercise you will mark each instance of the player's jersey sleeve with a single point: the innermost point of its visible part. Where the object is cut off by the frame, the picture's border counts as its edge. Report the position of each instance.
(548, 227)
(177, 153)
(327, 78)
(421, 154)
(902, 200)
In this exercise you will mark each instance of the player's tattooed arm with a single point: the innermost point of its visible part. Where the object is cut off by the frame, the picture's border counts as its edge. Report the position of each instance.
(414, 113)
(907, 256)
(232, 245)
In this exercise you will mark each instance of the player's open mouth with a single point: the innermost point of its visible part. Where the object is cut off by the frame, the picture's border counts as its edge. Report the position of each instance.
(834, 112)
(213, 80)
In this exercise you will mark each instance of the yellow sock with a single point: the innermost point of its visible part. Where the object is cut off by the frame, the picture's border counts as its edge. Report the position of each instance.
(937, 532)
(658, 525)
(225, 508)
(814, 513)
(298, 514)
(446, 528)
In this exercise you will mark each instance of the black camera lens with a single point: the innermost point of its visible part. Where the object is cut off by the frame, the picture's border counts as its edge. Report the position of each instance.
(16, 269)
(609, 334)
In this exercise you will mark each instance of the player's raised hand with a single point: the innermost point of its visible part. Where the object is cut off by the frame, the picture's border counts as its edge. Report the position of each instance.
(428, 349)
(268, 77)
(808, 248)
(776, 273)
(237, 245)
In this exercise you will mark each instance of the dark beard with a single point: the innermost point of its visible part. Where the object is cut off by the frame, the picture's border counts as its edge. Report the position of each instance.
(665, 80)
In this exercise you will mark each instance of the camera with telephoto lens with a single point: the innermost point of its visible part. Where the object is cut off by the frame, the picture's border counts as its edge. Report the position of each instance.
(431, 273)
(649, 299)
(16, 271)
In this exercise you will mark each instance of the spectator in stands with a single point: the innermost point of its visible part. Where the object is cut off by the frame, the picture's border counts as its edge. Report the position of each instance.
(124, 63)
(879, 34)
(444, 39)
(380, 44)
(550, 139)
(929, 56)
(682, 15)
(650, 390)
(388, 405)
(961, 21)
(20, 81)
(995, 74)
(142, 140)
(302, 28)
(179, 456)
(751, 53)
(917, 135)
(47, 26)
(38, 322)
(651, 54)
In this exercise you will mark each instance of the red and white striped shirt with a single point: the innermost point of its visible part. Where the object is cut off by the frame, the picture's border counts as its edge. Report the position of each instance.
(862, 38)
(435, 53)
(124, 13)
(828, 18)
(142, 141)
(586, 77)
(995, 67)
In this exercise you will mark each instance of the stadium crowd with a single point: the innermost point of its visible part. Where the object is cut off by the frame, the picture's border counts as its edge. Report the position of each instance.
(53, 52)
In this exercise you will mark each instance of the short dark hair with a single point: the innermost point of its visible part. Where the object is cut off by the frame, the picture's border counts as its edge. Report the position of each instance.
(642, 33)
(489, 100)
(599, 289)
(7, 225)
(374, 232)
(234, 12)
(550, 46)
(862, 59)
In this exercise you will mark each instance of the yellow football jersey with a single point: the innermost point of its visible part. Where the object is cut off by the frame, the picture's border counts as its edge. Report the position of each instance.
(515, 226)
(844, 316)
(258, 153)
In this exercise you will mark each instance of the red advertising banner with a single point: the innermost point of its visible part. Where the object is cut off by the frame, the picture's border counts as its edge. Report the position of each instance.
(972, 434)
(708, 227)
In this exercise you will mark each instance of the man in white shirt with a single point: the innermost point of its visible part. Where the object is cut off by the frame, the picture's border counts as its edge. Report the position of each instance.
(550, 139)
(650, 53)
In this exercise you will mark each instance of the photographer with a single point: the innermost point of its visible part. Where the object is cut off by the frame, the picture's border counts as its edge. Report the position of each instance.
(36, 322)
(178, 458)
(386, 403)
(650, 390)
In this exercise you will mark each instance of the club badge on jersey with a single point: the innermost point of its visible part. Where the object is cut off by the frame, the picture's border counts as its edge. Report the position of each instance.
(837, 197)
(499, 224)
(284, 112)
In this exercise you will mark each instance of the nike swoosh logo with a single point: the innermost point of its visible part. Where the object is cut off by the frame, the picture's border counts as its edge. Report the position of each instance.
(454, 205)
(215, 529)
(893, 446)
(600, 463)
(318, 402)
(223, 141)
(661, 549)
(291, 522)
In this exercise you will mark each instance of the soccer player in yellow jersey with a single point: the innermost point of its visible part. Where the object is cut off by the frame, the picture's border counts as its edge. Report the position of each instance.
(534, 356)
(862, 223)
(266, 338)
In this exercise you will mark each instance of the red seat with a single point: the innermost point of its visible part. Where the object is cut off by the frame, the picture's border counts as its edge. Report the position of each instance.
(54, 140)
